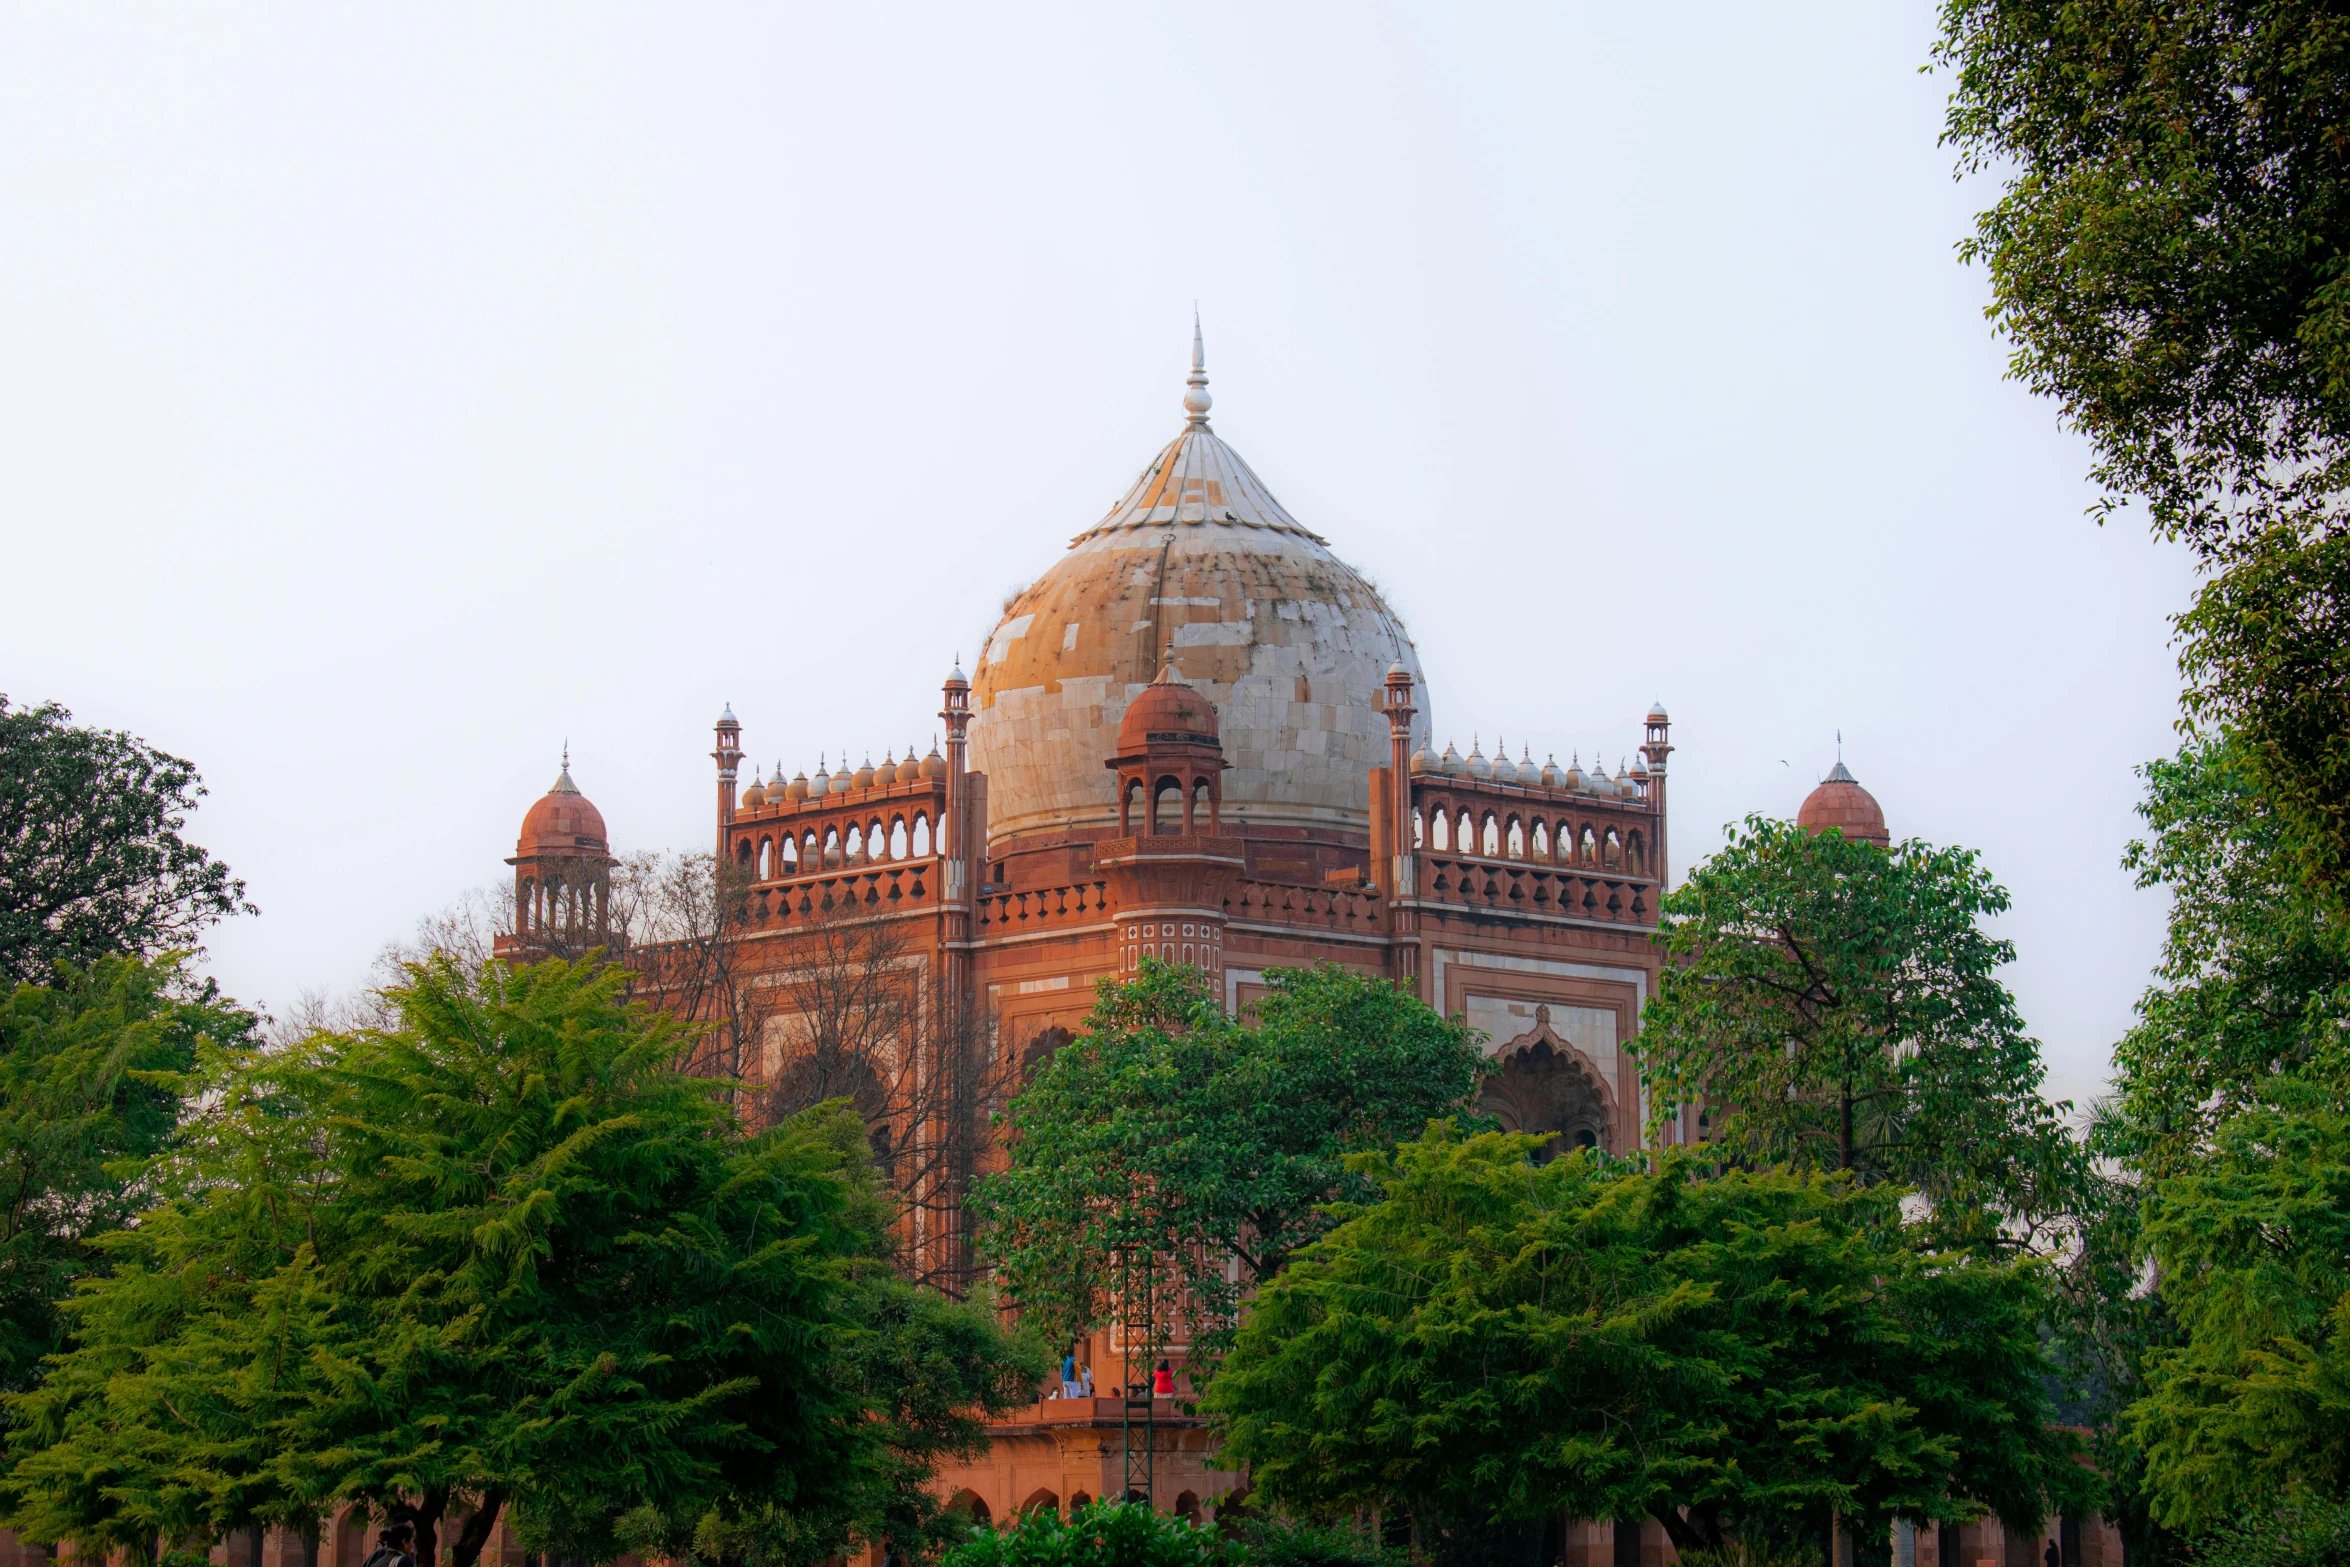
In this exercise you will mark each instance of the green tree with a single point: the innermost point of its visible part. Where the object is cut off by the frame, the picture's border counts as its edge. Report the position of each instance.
(1837, 1006)
(1171, 1137)
(90, 1068)
(2170, 256)
(2252, 1247)
(2255, 970)
(92, 863)
(2251, 992)
(1499, 1337)
(505, 1252)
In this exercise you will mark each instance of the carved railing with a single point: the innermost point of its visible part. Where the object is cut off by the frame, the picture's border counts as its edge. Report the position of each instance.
(846, 894)
(1317, 908)
(1047, 908)
(1517, 887)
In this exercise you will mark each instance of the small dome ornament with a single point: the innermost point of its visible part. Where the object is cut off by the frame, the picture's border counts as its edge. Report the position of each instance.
(753, 797)
(798, 788)
(1422, 762)
(1478, 767)
(1196, 401)
(1450, 762)
(934, 765)
(1550, 771)
(820, 785)
(1573, 778)
(864, 775)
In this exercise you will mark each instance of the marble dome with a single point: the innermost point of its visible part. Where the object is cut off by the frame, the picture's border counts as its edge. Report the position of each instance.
(1197, 565)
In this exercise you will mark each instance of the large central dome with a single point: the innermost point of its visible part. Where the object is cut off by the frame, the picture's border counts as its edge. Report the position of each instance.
(1288, 642)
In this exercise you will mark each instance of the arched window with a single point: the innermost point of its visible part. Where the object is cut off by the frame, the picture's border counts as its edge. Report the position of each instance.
(877, 840)
(742, 853)
(1491, 836)
(766, 858)
(1167, 809)
(1200, 808)
(523, 904)
(791, 855)
(1517, 839)
(922, 837)
(1541, 839)
(1611, 850)
(898, 841)
(1636, 855)
(1442, 821)
(854, 849)
(1419, 830)
(1588, 852)
(832, 846)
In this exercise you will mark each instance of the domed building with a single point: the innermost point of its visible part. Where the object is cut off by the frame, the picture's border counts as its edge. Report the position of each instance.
(1841, 803)
(1200, 736)
(562, 875)
(1198, 567)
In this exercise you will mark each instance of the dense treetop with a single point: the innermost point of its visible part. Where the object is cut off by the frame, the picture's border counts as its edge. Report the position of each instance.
(92, 863)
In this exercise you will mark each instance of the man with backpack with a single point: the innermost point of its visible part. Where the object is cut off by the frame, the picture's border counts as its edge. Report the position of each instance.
(395, 1546)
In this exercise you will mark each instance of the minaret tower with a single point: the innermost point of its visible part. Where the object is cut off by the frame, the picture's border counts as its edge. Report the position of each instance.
(728, 756)
(1655, 748)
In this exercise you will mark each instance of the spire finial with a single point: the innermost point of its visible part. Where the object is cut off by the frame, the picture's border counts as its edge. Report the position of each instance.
(1196, 401)
(1839, 747)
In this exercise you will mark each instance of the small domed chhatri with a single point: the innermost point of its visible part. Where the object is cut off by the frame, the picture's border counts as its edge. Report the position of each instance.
(562, 821)
(1840, 802)
(1167, 712)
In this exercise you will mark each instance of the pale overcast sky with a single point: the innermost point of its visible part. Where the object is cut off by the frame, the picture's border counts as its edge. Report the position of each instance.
(387, 394)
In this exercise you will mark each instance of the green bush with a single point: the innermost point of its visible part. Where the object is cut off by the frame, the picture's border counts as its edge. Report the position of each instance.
(1098, 1534)
(1283, 1542)
(1754, 1553)
(2300, 1532)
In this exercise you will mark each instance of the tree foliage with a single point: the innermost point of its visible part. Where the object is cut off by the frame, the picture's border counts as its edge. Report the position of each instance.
(1837, 1006)
(2170, 256)
(1098, 1534)
(92, 863)
(1171, 1138)
(1497, 1336)
(1130, 1534)
(503, 1252)
(2253, 1249)
(2255, 971)
(2224, 1126)
(90, 1072)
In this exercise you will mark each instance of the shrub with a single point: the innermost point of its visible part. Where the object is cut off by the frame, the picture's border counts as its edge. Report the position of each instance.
(1098, 1534)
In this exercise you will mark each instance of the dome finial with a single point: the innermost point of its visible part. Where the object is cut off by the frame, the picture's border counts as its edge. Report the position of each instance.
(1196, 401)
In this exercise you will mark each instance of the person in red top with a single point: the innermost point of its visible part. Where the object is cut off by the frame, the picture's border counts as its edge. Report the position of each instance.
(1163, 1381)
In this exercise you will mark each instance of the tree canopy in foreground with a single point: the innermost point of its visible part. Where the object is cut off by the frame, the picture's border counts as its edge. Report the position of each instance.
(1169, 1132)
(91, 1067)
(1757, 1349)
(1837, 1006)
(503, 1253)
(92, 864)
(2170, 255)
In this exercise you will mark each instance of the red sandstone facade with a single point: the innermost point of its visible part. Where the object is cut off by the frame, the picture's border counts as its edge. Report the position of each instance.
(1203, 738)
